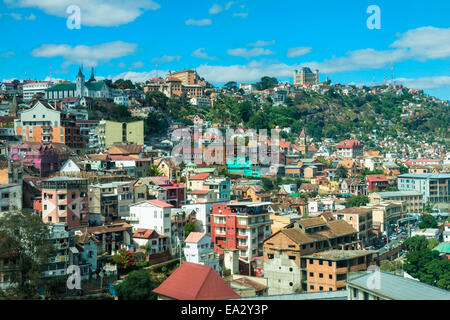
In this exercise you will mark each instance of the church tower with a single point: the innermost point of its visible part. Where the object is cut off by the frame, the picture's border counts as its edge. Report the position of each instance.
(303, 144)
(80, 84)
(92, 78)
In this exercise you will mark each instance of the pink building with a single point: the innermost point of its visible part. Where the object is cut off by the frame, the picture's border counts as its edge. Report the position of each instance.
(44, 158)
(65, 201)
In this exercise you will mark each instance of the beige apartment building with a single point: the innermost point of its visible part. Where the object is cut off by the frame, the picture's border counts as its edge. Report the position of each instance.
(412, 199)
(386, 212)
(111, 132)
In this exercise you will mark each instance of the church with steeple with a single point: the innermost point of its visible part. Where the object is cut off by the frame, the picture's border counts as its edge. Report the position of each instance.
(303, 144)
(91, 89)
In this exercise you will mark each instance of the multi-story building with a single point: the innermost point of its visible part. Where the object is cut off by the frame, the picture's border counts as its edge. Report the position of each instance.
(353, 186)
(386, 213)
(44, 158)
(220, 186)
(111, 132)
(151, 214)
(435, 187)
(110, 201)
(412, 199)
(376, 182)
(42, 123)
(199, 249)
(202, 212)
(9, 266)
(201, 102)
(328, 270)
(10, 198)
(306, 76)
(350, 148)
(359, 218)
(65, 201)
(32, 88)
(242, 226)
(283, 267)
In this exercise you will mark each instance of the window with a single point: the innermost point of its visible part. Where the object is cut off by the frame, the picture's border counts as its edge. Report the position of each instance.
(311, 287)
(355, 293)
(291, 284)
(330, 276)
(320, 288)
(320, 275)
(269, 256)
(320, 262)
(311, 274)
(291, 257)
(366, 296)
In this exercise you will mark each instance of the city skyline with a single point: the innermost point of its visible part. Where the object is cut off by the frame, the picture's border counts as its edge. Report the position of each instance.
(226, 41)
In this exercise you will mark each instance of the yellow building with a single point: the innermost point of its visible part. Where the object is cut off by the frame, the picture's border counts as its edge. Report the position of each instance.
(111, 132)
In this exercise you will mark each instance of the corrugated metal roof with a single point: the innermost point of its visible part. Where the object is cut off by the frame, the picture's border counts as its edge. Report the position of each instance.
(398, 288)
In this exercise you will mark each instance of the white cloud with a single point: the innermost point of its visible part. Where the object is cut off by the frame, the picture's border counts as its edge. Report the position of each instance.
(242, 15)
(89, 56)
(137, 76)
(242, 52)
(299, 51)
(200, 53)
(166, 58)
(426, 82)
(121, 65)
(253, 71)
(261, 43)
(421, 44)
(7, 54)
(215, 9)
(103, 13)
(425, 42)
(16, 16)
(137, 64)
(31, 17)
(199, 23)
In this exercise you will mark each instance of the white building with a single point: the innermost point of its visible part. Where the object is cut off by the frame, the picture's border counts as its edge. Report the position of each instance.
(201, 102)
(319, 206)
(10, 198)
(199, 249)
(151, 214)
(32, 88)
(429, 233)
(122, 100)
(447, 232)
(202, 214)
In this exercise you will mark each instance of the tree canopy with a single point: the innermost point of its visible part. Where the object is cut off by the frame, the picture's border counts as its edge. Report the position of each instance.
(136, 286)
(26, 237)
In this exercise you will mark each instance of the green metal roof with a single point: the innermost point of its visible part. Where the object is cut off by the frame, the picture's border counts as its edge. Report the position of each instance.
(443, 247)
(95, 86)
(63, 87)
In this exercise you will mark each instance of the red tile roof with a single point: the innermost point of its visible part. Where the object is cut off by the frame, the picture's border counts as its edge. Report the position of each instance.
(349, 144)
(376, 177)
(144, 233)
(200, 176)
(194, 237)
(160, 204)
(193, 281)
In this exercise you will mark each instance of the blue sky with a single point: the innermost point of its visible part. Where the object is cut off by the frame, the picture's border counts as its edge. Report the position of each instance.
(230, 40)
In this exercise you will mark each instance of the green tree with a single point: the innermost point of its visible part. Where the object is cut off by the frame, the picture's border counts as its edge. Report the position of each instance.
(267, 82)
(341, 172)
(27, 236)
(357, 201)
(428, 221)
(188, 228)
(154, 171)
(416, 243)
(136, 286)
(124, 259)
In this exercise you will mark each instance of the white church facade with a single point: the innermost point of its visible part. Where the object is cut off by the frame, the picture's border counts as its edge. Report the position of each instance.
(80, 89)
